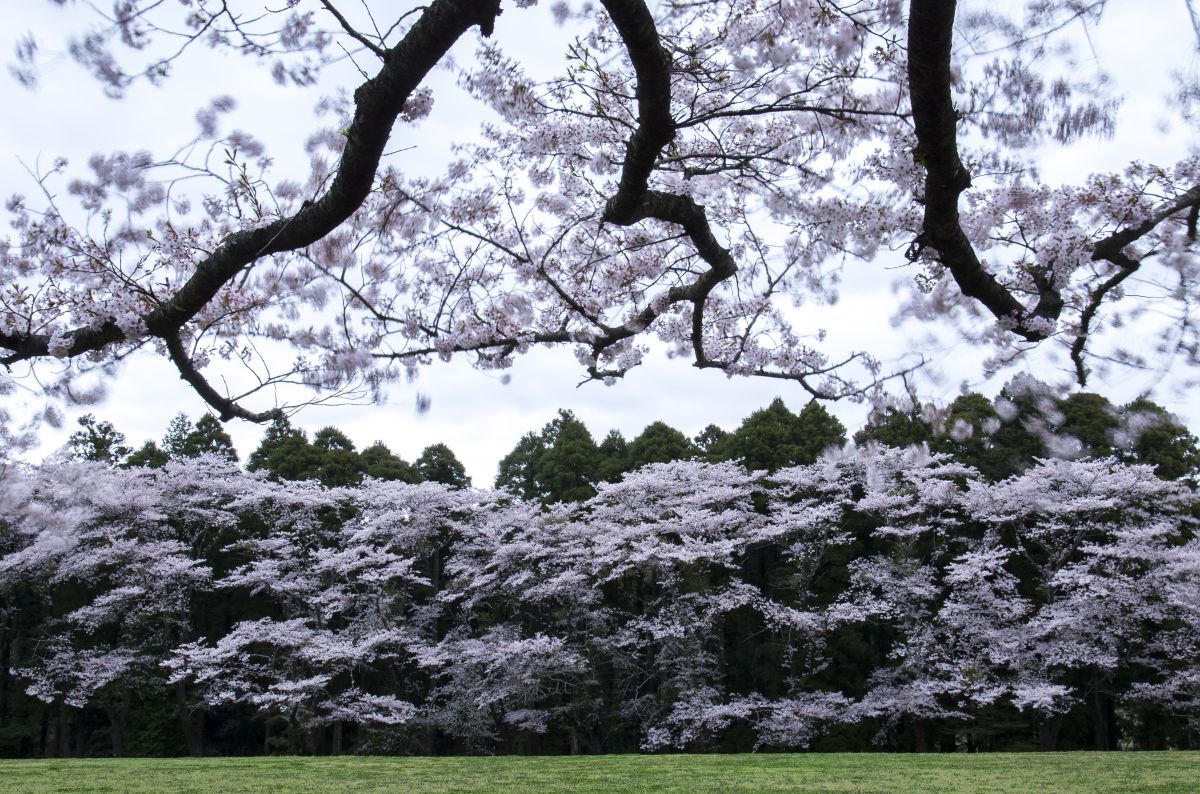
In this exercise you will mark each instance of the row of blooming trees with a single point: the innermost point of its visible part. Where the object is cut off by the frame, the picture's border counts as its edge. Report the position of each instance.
(874, 598)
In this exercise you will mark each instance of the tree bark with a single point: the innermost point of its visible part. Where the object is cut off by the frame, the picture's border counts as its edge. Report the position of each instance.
(191, 733)
(1048, 731)
(118, 715)
(920, 735)
(61, 739)
(335, 747)
(1104, 721)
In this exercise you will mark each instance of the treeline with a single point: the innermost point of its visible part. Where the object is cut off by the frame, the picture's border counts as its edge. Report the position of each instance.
(875, 599)
(870, 598)
(1000, 437)
(285, 452)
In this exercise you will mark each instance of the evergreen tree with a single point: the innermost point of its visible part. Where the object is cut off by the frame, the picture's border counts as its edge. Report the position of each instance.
(339, 463)
(817, 431)
(517, 471)
(974, 433)
(569, 468)
(773, 437)
(438, 464)
(381, 463)
(148, 456)
(562, 463)
(208, 437)
(175, 439)
(711, 441)
(1151, 435)
(614, 457)
(285, 453)
(98, 441)
(659, 443)
(894, 427)
(1091, 420)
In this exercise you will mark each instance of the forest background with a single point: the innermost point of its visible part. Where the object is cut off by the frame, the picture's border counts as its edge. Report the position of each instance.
(1031, 585)
(989, 573)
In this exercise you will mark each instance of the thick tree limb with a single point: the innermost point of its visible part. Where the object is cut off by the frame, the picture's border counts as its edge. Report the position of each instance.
(930, 36)
(656, 129)
(378, 102)
(1110, 248)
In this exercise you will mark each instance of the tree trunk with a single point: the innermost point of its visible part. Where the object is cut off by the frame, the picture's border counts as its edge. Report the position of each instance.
(5, 674)
(61, 739)
(335, 747)
(80, 735)
(43, 733)
(948, 742)
(920, 735)
(1048, 730)
(1104, 721)
(118, 715)
(191, 736)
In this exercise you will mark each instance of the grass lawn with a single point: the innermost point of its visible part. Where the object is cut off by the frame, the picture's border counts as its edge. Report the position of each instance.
(686, 774)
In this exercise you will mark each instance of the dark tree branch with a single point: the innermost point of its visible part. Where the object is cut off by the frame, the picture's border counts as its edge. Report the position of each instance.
(360, 38)
(1089, 314)
(226, 408)
(656, 129)
(378, 102)
(1111, 249)
(930, 36)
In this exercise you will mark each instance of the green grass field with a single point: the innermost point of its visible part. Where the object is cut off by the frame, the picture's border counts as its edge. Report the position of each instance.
(686, 774)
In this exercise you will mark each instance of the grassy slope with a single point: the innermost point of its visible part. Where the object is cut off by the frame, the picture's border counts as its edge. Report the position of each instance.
(686, 774)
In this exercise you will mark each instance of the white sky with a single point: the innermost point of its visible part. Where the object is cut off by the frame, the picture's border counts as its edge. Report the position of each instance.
(476, 413)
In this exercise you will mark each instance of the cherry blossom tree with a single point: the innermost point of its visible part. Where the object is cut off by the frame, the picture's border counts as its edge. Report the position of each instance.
(344, 573)
(1103, 566)
(686, 172)
(119, 558)
(690, 605)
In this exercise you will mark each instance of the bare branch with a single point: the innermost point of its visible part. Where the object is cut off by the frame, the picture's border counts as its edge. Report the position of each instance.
(226, 408)
(360, 38)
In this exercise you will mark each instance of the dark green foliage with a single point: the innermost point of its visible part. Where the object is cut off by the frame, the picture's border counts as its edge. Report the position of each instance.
(660, 443)
(438, 464)
(517, 471)
(614, 456)
(710, 441)
(1027, 422)
(974, 434)
(98, 441)
(560, 464)
(773, 438)
(285, 453)
(894, 427)
(570, 465)
(208, 438)
(148, 455)
(381, 463)
(1091, 420)
(339, 464)
(175, 438)
(1153, 436)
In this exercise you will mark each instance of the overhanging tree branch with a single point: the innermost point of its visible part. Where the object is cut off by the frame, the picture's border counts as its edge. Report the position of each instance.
(930, 39)
(378, 102)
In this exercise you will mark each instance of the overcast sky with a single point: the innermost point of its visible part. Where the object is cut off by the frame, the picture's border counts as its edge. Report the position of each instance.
(478, 414)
